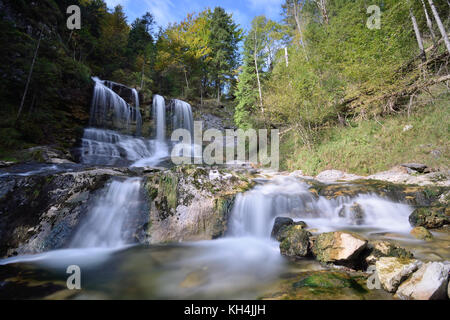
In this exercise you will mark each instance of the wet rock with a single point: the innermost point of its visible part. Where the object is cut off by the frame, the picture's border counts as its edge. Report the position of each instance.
(430, 217)
(339, 248)
(381, 248)
(428, 283)
(402, 175)
(186, 205)
(296, 242)
(393, 271)
(39, 213)
(354, 214)
(421, 168)
(422, 234)
(282, 224)
(5, 164)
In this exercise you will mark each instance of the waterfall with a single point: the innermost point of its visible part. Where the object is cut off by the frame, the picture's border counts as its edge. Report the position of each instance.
(255, 211)
(159, 117)
(182, 117)
(137, 112)
(105, 226)
(107, 147)
(109, 109)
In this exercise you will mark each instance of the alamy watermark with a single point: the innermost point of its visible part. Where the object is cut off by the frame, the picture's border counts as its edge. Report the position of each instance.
(74, 20)
(74, 280)
(236, 145)
(374, 21)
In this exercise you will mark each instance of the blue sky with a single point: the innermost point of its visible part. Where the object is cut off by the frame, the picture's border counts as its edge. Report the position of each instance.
(166, 11)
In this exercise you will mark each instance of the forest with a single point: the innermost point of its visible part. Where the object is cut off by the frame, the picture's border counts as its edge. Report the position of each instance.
(321, 73)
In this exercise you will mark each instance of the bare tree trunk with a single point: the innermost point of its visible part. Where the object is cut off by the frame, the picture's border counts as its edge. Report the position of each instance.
(218, 92)
(296, 14)
(30, 73)
(418, 36)
(185, 77)
(257, 76)
(322, 4)
(142, 75)
(286, 57)
(440, 25)
(429, 22)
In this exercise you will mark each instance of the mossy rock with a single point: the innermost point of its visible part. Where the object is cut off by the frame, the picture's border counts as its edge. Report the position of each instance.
(381, 248)
(430, 217)
(296, 242)
(422, 234)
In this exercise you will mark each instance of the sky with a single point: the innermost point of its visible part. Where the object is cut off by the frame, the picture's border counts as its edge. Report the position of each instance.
(166, 11)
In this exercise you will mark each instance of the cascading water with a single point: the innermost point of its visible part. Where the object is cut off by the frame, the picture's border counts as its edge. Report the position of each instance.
(106, 147)
(254, 212)
(137, 112)
(105, 224)
(182, 117)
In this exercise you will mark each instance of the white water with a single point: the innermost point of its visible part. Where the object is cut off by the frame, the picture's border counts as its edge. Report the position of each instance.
(107, 147)
(159, 117)
(254, 212)
(182, 117)
(137, 112)
(105, 224)
(108, 106)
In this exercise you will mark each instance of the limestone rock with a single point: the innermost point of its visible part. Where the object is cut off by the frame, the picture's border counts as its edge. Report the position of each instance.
(354, 214)
(339, 247)
(422, 234)
(428, 283)
(336, 175)
(421, 168)
(430, 217)
(392, 271)
(296, 242)
(381, 248)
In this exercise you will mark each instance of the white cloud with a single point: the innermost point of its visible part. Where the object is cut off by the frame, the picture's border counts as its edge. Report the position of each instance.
(113, 3)
(271, 8)
(164, 11)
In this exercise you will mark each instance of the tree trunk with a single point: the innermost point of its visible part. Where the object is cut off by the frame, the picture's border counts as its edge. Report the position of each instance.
(218, 92)
(185, 77)
(429, 23)
(142, 75)
(322, 4)
(440, 25)
(286, 57)
(30, 73)
(257, 76)
(299, 27)
(418, 36)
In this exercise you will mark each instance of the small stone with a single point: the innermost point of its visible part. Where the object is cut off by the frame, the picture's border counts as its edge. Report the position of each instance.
(422, 234)
(280, 224)
(407, 128)
(381, 248)
(392, 271)
(428, 283)
(416, 167)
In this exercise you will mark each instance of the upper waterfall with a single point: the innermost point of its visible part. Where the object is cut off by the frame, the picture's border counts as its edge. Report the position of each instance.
(182, 117)
(159, 117)
(108, 109)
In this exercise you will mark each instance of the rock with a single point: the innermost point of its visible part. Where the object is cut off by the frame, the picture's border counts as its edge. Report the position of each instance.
(422, 234)
(436, 153)
(430, 217)
(336, 175)
(381, 248)
(282, 224)
(392, 271)
(407, 128)
(339, 248)
(401, 175)
(296, 242)
(421, 168)
(354, 214)
(428, 283)
(5, 164)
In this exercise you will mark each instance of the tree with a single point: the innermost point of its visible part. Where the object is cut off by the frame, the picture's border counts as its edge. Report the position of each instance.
(224, 38)
(440, 25)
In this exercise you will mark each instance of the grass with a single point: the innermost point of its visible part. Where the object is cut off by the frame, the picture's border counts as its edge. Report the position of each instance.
(371, 146)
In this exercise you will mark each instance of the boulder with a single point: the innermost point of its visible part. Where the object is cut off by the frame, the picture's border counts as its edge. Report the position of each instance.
(296, 242)
(339, 248)
(430, 217)
(336, 175)
(422, 234)
(381, 248)
(392, 271)
(281, 225)
(428, 283)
